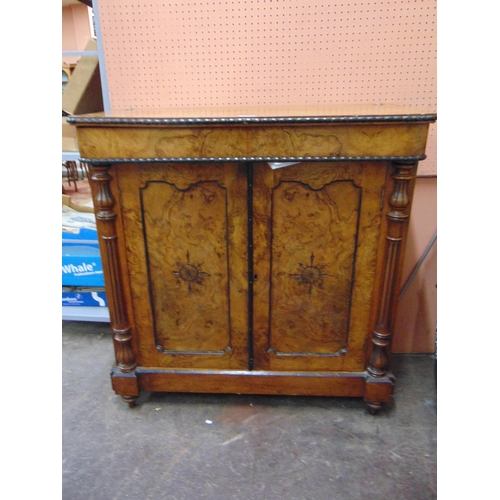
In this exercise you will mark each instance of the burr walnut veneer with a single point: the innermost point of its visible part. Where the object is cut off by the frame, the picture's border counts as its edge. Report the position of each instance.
(226, 275)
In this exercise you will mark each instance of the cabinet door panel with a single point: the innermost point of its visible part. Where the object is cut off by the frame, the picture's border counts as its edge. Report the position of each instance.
(189, 228)
(313, 246)
(186, 251)
(316, 231)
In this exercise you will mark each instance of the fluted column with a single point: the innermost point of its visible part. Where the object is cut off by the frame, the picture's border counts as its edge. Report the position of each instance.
(397, 220)
(106, 224)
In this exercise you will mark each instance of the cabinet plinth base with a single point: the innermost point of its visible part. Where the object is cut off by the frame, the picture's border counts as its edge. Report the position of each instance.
(335, 384)
(378, 391)
(126, 385)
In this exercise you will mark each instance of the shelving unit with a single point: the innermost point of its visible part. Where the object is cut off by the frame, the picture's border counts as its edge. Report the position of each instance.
(70, 147)
(83, 292)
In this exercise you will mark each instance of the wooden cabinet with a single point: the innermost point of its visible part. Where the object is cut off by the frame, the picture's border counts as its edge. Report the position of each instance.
(226, 275)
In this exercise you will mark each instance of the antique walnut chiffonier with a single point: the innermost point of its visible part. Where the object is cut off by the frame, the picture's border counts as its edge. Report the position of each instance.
(227, 274)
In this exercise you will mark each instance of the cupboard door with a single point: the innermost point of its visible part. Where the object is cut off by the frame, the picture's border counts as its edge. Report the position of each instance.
(185, 231)
(316, 229)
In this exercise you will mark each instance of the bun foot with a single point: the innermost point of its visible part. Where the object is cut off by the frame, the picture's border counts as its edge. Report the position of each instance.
(373, 408)
(130, 400)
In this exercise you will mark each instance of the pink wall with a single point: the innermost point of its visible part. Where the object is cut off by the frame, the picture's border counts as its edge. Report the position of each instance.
(76, 30)
(241, 52)
(415, 327)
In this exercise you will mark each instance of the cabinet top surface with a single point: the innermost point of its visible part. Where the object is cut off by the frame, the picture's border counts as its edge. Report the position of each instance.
(363, 113)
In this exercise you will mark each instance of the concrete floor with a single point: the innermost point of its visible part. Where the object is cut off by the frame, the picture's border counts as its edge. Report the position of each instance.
(257, 447)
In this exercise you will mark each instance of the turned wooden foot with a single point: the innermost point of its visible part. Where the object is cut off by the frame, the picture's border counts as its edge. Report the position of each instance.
(373, 408)
(130, 400)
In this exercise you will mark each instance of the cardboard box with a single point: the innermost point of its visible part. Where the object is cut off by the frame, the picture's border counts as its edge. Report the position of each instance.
(82, 265)
(69, 140)
(81, 258)
(84, 299)
(83, 92)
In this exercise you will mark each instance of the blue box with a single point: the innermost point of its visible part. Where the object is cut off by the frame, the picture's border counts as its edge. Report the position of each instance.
(81, 259)
(83, 235)
(92, 299)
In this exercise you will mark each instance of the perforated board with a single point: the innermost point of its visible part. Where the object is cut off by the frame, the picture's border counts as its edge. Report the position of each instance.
(161, 53)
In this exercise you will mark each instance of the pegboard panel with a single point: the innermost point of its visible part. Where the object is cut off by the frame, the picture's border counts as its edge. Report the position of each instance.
(162, 53)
